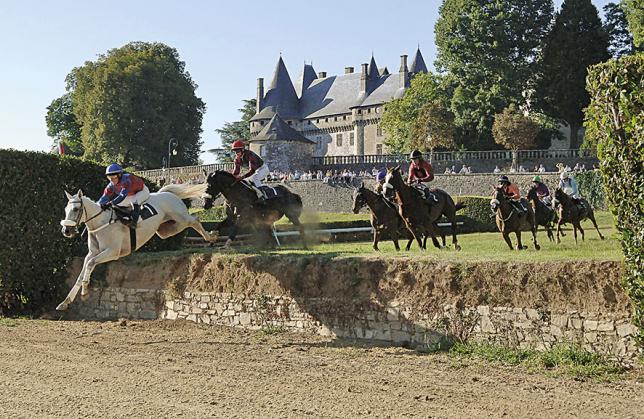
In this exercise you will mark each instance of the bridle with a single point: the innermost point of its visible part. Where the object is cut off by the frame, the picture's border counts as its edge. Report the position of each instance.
(83, 211)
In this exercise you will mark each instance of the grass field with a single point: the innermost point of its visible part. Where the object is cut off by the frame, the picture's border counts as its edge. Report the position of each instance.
(475, 246)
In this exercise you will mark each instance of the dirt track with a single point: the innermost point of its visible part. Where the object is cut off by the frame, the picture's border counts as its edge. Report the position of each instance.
(156, 369)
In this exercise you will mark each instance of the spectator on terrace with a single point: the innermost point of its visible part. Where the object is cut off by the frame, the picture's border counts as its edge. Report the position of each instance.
(541, 169)
(496, 170)
(374, 171)
(567, 169)
(448, 171)
(583, 167)
(521, 169)
(463, 170)
(469, 170)
(512, 169)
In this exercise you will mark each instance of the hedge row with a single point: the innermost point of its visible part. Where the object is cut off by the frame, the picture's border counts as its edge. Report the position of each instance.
(34, 254)
(615, 124)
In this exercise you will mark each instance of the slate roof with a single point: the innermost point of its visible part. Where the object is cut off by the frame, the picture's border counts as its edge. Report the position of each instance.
(334, 95)
(418, 64)
(278, 129)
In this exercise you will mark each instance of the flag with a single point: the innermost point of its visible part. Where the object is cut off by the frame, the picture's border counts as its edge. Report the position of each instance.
(61, 148)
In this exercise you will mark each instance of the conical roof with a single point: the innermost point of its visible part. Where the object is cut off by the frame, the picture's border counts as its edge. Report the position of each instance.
(418, 64)
(372, 70)
(305, 80)
(278, 129)
(281, 97)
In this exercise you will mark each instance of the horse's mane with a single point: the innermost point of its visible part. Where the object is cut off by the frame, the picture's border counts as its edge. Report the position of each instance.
(223, 173)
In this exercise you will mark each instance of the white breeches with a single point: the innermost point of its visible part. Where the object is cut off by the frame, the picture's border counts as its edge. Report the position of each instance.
(138, 198)
(259, 175)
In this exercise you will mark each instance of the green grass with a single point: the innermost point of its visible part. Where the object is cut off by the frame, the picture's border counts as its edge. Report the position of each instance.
(7, 322)
(561, 359)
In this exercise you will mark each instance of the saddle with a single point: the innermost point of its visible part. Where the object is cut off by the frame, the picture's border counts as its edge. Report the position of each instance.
(264, 192)
(426, 193)
(124, 215)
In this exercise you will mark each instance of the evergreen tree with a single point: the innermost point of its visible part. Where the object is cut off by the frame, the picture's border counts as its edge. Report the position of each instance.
(616, 26)
(232, 131)
(635, 15)
(576, 41)
(489, 50)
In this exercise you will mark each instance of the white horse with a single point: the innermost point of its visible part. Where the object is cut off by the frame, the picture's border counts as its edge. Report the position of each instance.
(109, 239)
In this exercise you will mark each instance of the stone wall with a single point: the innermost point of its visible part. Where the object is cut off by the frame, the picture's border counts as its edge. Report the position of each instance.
(405, 302)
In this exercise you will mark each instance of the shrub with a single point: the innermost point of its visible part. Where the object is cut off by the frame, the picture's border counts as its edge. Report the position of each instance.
(477, 216)
(592, 188)
(34, 254)
(614, 125)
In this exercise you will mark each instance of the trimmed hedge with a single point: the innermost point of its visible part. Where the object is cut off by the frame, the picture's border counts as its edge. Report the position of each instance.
(477, 216)
(615, 124)
(592, 188)
(34, 254)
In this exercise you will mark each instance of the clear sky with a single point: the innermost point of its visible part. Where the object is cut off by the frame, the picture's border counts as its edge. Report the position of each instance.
(226, 46)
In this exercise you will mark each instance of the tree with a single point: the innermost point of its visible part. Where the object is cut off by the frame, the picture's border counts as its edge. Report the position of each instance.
(232, 131)
(490, 51)
(635, 16)
(577, 41)
(400, 115)
(433, 128)
(515, 131)
(132, 101)
(620, 41)
(62, 125)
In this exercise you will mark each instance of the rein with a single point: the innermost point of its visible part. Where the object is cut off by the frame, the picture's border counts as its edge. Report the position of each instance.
(77, 222)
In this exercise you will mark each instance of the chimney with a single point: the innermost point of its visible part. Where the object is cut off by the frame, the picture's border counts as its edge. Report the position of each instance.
(364, 78)
(260, 94)
(403, 73)
(322, 75)
(348, 70)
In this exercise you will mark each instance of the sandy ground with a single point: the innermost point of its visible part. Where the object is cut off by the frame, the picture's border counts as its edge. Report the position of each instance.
(168, 369)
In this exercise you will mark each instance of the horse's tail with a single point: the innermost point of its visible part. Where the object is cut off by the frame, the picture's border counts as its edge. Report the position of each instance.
(184, 191)
(459, 206)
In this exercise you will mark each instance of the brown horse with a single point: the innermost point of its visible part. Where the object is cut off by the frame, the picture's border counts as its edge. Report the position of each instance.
(259, 216)
(419, 215)
(570, 212)
(384, 216)
(543, 214)
(510, 220)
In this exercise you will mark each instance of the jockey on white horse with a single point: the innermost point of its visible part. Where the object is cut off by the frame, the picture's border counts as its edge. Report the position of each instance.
(109, 239)
(124, 190)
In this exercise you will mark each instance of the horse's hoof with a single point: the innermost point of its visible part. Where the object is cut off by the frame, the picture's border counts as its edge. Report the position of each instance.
(85, 297)
(63, 306)
(537, 247)
(457, 247)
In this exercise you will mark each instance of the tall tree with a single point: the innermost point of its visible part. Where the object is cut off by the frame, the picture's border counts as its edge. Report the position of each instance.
(400, 115)
(635, 15)
(620, 40)
(577, 41)
(489, 50)
(232, 131)
(132, 101)
(62, 125)
(514, 130)
(433, 128)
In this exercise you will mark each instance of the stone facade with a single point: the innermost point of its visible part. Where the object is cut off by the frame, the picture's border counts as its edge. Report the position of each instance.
(284, 156)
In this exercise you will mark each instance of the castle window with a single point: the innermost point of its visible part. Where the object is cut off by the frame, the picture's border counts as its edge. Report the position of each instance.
(335, 118)
(318, 143)
(359, 111)
(351, 138)
(326, 119)
(345, 117)
(308, 122)
(379, 131)
(377, 110)
(290, 122)
(379, 149)
(369, 110)
(338, 140)
(262, 150)
(261, 123)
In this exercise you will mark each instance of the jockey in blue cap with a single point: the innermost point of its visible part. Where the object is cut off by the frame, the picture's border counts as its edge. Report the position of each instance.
(124, 190)
(380, 181)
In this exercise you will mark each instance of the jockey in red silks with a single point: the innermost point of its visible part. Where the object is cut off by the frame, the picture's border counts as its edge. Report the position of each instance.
(257, 168)
(421, 171)
(512, 193)
(124, 190)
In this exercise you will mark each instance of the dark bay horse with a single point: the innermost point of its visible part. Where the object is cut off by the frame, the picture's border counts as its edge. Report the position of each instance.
(420, 216)
(384, 216)
(543, 214)
(259, 216)
(570, 212)
(509, 220)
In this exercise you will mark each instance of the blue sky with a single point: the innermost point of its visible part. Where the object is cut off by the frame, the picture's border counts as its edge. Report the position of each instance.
(226, 46)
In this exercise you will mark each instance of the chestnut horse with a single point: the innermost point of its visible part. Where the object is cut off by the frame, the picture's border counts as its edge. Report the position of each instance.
(509, 220)
(384, 216)
(420, 216)
(570, 212)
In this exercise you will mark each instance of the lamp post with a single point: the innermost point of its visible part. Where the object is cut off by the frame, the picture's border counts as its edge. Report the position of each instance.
(172, 148)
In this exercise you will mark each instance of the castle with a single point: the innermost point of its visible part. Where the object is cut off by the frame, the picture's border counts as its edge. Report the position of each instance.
(324, 115)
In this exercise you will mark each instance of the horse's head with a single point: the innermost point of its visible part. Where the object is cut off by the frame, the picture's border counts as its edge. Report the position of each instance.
(560, 194)
(359, 199)
(498, 196)
(532, 193)
(393, 181)
(217, 182)
(75, 213)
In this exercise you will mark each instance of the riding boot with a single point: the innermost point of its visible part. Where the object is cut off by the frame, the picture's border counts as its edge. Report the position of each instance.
(134, 216)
